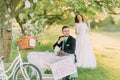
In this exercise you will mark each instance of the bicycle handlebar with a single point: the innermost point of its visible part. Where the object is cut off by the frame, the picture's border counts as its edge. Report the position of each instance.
(18, 48)
(2, 57)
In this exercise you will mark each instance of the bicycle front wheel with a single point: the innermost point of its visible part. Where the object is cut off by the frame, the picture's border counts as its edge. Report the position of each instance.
(32, 72)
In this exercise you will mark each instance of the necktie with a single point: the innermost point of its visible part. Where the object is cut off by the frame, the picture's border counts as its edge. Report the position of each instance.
(63, 44)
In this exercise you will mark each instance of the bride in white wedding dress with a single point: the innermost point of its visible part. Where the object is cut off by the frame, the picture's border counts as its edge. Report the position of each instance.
(84, 51)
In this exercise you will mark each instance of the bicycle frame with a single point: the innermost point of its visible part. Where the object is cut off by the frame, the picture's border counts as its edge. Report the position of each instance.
(17, 62)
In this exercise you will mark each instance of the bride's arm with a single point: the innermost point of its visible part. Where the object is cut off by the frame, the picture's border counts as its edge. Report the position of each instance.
(88, 28)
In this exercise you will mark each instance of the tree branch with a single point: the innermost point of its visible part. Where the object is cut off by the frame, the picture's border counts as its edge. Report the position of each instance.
(13, 4)
(18, 20)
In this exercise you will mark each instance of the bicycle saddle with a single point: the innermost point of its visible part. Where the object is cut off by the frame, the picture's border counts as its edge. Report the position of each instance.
(2, 57)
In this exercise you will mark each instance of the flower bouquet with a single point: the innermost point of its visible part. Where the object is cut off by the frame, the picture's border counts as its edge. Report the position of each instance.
(61, 53)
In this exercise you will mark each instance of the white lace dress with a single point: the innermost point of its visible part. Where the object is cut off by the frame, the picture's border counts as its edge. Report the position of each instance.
(84, 51)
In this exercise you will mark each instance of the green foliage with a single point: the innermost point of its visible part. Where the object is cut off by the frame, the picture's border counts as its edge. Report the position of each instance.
(110, 28)
(107, 21)
(47, 71)
(44, 13)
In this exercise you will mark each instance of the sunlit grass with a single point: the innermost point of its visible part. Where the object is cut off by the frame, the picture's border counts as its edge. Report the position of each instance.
(93, 74)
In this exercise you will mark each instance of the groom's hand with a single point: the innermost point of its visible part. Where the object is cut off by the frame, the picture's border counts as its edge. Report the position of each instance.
(61, 39)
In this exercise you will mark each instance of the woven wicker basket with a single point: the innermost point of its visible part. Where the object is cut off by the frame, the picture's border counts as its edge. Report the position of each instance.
(24, 43)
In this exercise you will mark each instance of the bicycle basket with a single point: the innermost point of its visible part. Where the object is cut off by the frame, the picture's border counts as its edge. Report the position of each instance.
(27, 42)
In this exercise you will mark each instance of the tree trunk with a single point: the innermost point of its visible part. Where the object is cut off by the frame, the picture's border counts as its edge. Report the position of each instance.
(1, 42)
(5, 43)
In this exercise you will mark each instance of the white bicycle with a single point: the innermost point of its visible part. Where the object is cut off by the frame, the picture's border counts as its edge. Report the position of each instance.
(19, 70)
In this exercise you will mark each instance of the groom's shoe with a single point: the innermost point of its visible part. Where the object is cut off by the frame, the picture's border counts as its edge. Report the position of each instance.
(73, 78)
(66, 78)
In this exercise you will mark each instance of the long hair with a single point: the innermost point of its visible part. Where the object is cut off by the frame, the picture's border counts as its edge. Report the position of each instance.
(76, 19)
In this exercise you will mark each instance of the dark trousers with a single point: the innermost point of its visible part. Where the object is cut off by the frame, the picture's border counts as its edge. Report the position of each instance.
(67, 78)
(75, 58)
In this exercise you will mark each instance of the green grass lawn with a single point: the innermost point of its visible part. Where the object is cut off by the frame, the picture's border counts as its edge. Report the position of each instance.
(106, 47)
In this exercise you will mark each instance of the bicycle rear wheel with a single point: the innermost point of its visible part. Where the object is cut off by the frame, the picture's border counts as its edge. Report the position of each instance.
(32, 71)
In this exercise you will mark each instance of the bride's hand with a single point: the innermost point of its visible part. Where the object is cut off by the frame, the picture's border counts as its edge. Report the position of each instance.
(76, 32)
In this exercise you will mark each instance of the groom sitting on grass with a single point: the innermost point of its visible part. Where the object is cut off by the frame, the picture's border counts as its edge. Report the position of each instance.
(66, 43)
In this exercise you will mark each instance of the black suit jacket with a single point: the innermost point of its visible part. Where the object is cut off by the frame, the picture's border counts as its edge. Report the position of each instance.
(69, 46)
